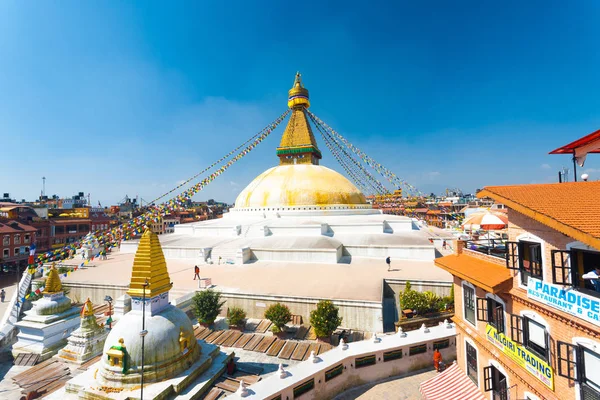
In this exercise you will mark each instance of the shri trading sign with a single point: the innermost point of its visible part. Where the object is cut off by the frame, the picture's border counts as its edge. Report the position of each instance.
(572, 302)
(526, 359)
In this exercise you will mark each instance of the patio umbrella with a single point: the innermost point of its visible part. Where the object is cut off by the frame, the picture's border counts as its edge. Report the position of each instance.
(486, 220)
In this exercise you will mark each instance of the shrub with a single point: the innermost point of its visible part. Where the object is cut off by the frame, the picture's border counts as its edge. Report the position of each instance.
(207, 306)
(325, 318)
(236, 316)
(415, 301)
(279, 314)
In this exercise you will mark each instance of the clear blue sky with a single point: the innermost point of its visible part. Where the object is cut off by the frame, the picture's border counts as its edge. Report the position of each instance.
(116, 98)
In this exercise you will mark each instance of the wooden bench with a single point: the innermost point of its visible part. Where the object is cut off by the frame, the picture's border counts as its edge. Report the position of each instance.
(213, 336)
(313, 347)
(223, 338)
(204, 334)
(214, 394)
(275, 348)
(288, 349)
(253, 342)
(296, 319)
(300, 351)
(235, 335)
(229, 385)
(301, 332)
(250, 369)
(324, 347)
(243, 340)
(265, 344)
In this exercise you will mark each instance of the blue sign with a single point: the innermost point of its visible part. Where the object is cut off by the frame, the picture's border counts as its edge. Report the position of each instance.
(568, 300)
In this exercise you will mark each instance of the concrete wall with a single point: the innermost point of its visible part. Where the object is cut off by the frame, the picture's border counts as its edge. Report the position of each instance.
(351, 376)
(425, 253)
(298, 255)
(359, 315)
(295, 230)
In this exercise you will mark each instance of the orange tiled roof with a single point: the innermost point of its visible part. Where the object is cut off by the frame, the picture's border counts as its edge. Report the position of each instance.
(489, 276)
(572, 208)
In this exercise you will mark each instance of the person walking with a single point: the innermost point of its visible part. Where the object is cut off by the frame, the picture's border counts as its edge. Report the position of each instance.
(196, 272)
(2, 295)
(389, 263)
(444, 245)
(437, 359)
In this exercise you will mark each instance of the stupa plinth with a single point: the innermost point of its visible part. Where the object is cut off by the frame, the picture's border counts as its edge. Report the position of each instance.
(86, 342)
(45, 328)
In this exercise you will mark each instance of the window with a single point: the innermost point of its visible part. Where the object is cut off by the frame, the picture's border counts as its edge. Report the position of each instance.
(471, 362)
(6, 253)
(526, 257)
(531, 334)
(17, 239)
(581, 364)
(469, 303)
(26, 238)
(16, 251)
(495, 381)
(569, 266)
(6, 240)
(492, 312)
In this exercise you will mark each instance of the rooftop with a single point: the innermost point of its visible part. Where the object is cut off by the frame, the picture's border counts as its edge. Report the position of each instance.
(570, 208)
(15, 227)
(487, 275)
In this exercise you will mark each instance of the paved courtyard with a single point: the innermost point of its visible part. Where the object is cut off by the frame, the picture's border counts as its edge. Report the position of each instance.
(405, 388)
(360, 280)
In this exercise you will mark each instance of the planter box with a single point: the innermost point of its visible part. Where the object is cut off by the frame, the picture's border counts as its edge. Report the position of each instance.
(432, 319)
(324, 339)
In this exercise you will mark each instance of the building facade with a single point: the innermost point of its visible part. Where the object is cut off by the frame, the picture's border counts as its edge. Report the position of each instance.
(528, 325)
(16, 240)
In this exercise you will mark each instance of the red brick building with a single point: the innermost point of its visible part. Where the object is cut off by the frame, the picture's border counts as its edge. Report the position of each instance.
(529, 325)
(15, 241)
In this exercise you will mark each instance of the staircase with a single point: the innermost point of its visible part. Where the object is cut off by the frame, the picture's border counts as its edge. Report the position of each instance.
(15, 307)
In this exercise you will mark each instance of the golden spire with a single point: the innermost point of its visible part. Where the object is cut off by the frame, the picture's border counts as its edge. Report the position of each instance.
(53, 283)
(149, 264)
(88, 308)
(298, 144)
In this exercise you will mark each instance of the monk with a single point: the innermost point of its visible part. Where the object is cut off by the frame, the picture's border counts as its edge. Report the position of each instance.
(437, 359)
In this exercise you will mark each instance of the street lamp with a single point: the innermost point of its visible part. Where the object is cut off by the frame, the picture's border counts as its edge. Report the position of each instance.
(109, 300)
(143, 334)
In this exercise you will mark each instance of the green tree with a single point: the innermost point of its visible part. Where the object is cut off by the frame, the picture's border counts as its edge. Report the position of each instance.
(325, 318)
(207, 306)
(279, 314)
(236, 316)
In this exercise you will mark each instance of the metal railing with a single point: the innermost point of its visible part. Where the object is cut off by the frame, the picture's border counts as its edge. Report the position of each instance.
(491, 247)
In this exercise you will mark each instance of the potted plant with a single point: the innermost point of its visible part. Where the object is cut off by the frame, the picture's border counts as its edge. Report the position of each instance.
(237, 318)
(206, 306)
(279, 314)
(325, 319)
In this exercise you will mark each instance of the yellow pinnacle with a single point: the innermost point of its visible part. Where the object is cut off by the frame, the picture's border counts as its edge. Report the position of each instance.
(53, 283)
(88, 308)
(298, 144)
(149, 265)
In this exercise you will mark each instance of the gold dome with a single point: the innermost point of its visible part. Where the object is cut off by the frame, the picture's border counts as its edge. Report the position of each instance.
(299, 185)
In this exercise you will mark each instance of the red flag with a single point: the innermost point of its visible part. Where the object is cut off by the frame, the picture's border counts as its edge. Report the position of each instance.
(30, 261)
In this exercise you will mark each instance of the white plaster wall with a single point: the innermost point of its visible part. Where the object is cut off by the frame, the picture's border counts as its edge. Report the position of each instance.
(182, 252)
(298, 255)
(357, 228)
(299, 230)
(352, 376)
(399, 226)
(424, 253)
(226, 231)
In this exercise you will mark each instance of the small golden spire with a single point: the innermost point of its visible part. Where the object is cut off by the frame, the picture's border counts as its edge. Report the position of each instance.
(149, 265)
(298, 94)
(88, 308)
(53, 283)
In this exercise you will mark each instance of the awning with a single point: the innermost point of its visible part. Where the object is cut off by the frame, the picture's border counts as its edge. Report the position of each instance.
(453, 384)
(581, 147)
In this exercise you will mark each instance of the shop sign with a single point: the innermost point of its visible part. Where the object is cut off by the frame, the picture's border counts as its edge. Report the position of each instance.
(570, 301)
(519, 354)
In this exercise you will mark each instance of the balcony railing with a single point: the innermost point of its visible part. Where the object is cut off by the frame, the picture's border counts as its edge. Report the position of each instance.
(491, 247)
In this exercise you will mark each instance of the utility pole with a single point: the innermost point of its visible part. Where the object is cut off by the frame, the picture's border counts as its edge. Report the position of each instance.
(43, 185)
(143, 334)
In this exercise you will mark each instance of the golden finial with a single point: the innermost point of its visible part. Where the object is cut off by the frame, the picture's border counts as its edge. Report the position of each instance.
(298, 94)
(53, 283)
(149, 265)
(88, 308)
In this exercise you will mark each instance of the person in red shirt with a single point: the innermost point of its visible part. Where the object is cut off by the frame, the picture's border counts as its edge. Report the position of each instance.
(196, 272)
(437, 359)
